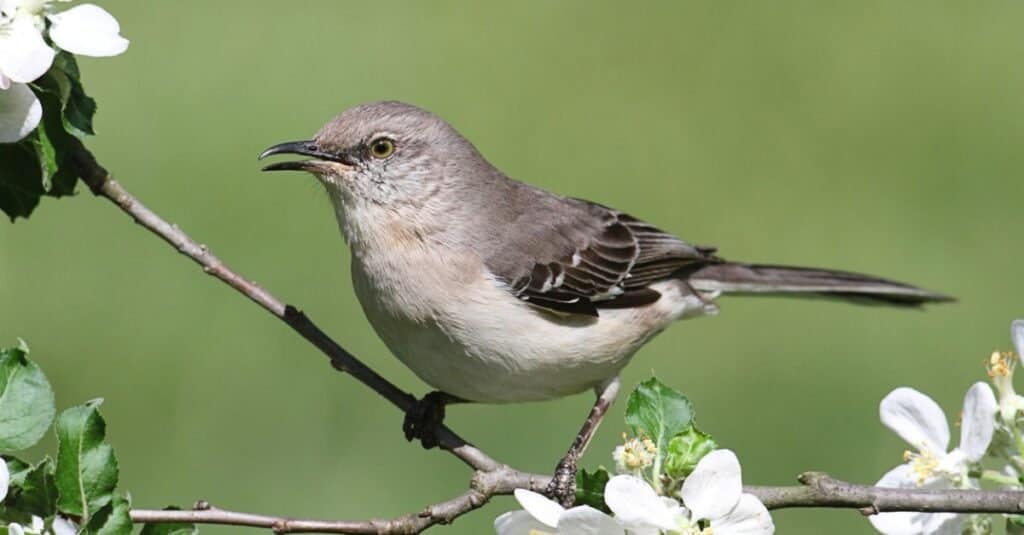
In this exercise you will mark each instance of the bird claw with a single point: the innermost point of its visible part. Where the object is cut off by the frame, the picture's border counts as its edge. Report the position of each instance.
(562, 487)
(423, 419)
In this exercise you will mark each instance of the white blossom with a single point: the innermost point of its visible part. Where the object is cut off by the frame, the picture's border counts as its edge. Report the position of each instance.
(35, 528)
(85, 29)
(5, 479)
(713, 503)
(635, 455)
(63, 526)
(541, 516)
(917, 419)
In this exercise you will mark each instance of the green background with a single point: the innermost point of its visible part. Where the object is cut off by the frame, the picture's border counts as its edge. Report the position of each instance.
(874, 136)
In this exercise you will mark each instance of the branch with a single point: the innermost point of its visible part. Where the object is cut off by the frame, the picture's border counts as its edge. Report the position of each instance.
(821, 490)
(484, 485)
(490, 477)
(817, 490)
(103, 184)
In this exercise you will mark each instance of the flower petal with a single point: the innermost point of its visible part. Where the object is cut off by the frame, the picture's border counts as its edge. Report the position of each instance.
(714, 487)
(510, 523)
(5, 479)
(916, 418)
(63, 526)
(585, 520)
(901, 477)
(15, 528)
(20, 112)
(749, 517)
(906, 523)
(1017, 334)
(979, 421)
(24, 56)
(636, 505)
(87, 29)
(543, 509)
(942, 524)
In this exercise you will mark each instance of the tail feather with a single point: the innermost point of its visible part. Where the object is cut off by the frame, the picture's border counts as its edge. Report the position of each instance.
(760, 279)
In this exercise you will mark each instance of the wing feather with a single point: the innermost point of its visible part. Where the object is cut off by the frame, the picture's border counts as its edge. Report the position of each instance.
(600, 258)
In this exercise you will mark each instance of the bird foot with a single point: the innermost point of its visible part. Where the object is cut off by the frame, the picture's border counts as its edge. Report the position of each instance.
(423, 419)
(562, 488)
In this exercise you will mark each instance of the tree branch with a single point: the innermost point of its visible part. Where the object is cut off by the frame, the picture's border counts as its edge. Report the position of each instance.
(817, 490)
(490, 477)
(484, 485)
(103, 184)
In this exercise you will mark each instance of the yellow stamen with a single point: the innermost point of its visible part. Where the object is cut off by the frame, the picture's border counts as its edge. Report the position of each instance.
(923, 464)
(1000, 364)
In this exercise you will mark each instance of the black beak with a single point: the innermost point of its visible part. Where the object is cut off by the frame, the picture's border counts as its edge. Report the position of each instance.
(304, 148)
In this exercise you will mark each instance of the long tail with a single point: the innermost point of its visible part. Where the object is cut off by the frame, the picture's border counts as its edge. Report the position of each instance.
(760, 279)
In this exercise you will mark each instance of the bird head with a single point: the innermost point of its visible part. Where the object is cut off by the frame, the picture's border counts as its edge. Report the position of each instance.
(385, 153)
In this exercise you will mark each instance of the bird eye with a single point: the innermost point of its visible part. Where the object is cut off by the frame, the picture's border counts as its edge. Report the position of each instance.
(382, 148)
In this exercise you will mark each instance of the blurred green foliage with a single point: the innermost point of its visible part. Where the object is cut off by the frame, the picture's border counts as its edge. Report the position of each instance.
(874, 136)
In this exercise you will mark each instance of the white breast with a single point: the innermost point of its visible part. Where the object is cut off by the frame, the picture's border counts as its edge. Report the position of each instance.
(460, 331)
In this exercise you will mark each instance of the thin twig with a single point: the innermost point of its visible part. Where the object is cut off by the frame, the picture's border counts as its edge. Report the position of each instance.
(484, 485)
(821, 490)
(103, 184)
(818, 490)
(490, 477)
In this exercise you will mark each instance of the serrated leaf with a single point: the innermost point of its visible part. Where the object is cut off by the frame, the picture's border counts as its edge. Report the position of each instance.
(658, 412)
(26, 400)
(52, 141)
(590, 488)
(34, 490)
(86, 466)
(79, 108)
(685, 450)
(173, 528)
(21, 182)
(113, 519)
(46, 153)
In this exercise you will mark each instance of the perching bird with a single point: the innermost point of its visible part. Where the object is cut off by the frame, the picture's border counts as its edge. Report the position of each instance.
(492, 290)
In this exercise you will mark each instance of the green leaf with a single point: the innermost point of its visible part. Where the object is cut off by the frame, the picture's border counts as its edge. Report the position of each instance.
(18, 469)
(42, 163)
(590, 488)
(173, 528)
(113, 519)
(658, 412)
(685, 450)
(34, 490)
(46, 153)
(86, 466)
(21, 182)
(52, 141)
(26, 400)
(79, 108)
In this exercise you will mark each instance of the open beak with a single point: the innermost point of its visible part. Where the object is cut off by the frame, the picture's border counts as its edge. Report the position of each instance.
(304, 148)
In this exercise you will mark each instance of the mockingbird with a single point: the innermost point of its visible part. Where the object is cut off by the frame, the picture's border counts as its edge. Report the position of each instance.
(492, 290)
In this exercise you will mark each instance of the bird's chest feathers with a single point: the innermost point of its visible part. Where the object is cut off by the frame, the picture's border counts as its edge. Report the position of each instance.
(402, 272)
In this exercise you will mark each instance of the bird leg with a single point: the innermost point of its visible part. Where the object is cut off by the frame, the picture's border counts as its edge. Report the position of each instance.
(423, 418)
(563, 485)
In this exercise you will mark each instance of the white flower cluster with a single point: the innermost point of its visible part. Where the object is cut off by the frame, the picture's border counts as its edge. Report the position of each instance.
(712, 502)
(25, 55)
(60, 526)
(918, 420)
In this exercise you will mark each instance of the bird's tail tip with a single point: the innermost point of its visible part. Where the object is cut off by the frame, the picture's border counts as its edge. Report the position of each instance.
(764, 279)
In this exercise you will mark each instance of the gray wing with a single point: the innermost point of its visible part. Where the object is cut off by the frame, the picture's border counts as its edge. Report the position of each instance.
(578, 257)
